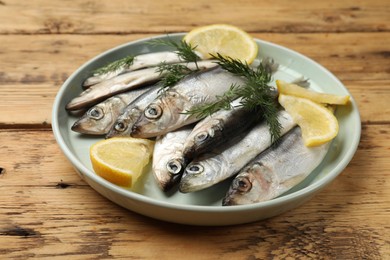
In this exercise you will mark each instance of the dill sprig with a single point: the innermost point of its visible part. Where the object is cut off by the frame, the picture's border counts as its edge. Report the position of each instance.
(115, 65)
(223, 102)
(185, 51)
(261, 75)
(262, 100)
(172, 73)
(255, 94)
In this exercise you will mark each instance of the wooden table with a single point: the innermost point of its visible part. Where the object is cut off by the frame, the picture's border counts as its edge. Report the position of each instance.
(47, 211)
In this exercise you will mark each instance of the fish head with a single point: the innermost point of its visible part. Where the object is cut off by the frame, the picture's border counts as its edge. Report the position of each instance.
(159, 116)
(199, 174)
(124, 123)
(201, 137)
(170, 173)
(96, 121)
(253, 184)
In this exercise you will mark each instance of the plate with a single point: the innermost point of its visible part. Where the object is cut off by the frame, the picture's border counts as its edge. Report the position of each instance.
(204, 207)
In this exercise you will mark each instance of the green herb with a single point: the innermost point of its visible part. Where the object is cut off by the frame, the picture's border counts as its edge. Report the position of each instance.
(184, 50)
(116, 65)
(261, 75)
(262, 100)
(255, 94)
(172, 73)
(223, 102)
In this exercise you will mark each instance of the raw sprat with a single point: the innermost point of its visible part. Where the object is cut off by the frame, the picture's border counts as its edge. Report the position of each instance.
(122, 83)
(225, 161)
(202, 104)
(255, 93)
(130, 63)
(275, 171)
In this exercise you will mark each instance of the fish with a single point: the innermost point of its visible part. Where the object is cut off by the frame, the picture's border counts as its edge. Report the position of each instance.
(168, 161)
(131, 113)
(139, 62)
(225, 161)
(123, 83)
(275, 171)
(99, 119)
(217, 128)
(116, 85)
(168, 111)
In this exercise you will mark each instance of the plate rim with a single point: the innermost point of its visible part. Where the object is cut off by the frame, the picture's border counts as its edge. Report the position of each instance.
(308, 190)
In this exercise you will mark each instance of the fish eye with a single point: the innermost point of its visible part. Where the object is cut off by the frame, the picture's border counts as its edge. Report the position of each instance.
(195, 169)
(96, 113)
(174, 166)
(243, 184)
(153, 111)
(201, 136)
(120, 126)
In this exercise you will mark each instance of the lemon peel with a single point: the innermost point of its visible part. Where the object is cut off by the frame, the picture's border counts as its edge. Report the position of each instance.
(121, 160)
(318, 124)
(227, 40)
(295, 90)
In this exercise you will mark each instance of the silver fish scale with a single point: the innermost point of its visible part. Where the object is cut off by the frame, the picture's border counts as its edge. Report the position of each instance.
(206, 85)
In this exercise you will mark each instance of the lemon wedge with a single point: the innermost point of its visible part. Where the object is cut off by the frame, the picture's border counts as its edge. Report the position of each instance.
(121, 160)
(318, 124)
(224, 39)
(295, 90)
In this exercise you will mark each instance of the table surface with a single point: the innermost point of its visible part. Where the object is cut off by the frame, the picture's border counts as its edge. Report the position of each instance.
(47, 211)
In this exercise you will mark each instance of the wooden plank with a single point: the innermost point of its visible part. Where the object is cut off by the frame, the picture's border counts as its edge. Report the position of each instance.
(26, 105)
(26, 56)
(352, 56)
(372, 98)
(47, 211)
(30, 83)
(31, 105)
(53, 213)
(41, 16)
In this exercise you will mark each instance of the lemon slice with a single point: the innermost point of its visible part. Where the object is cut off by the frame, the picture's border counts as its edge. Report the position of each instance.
(318, 124)
(121, 160)
(295, 90)
(224, 39)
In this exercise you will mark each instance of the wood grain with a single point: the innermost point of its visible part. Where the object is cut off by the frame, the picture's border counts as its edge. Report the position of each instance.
(48, 212)
(31, 105)
(350, 56)
(124, 17)
(40, 214)
(31, 83)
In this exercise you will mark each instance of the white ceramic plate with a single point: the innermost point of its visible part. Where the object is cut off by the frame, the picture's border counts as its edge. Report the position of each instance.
(204, 207)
